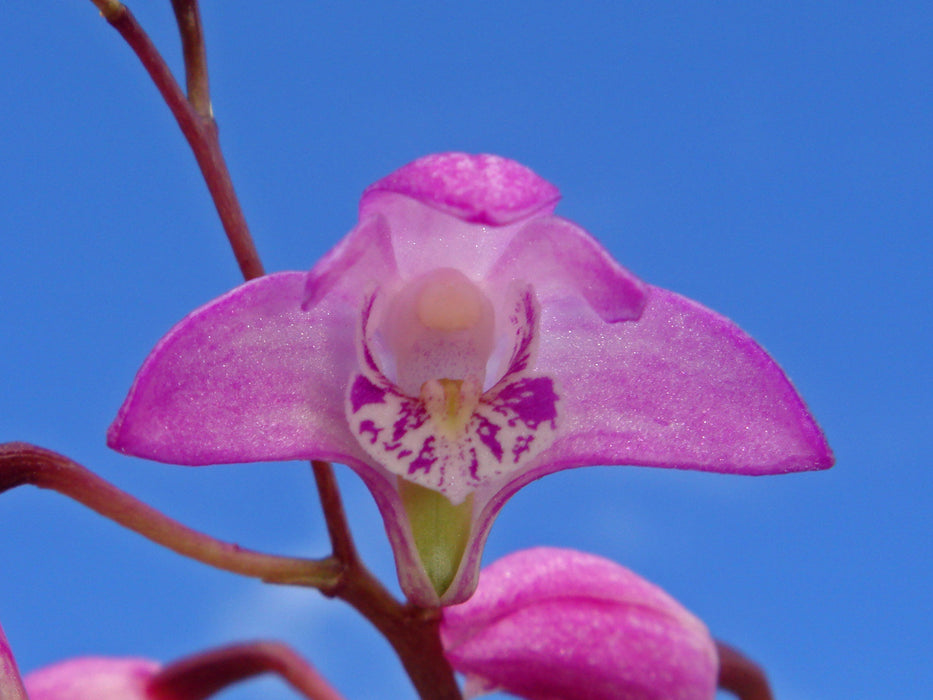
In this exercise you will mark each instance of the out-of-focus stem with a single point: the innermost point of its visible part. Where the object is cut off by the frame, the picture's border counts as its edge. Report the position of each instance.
(741, 676)
(200, 130)
(201, 675)
(188, 18)
(22, 463)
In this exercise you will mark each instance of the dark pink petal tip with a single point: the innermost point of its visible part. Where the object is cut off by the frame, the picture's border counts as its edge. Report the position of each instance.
(484, 189)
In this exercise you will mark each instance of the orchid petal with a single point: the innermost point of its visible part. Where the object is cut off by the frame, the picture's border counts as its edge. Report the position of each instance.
(484, 189)
(11, 684)
(681, 387)
(561, 259)
(425, 238)
(553, 623)
(93, 678)
(365, 254)
(248, 377)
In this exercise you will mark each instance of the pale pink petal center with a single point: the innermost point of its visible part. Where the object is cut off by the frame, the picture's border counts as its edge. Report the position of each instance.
(447, 434)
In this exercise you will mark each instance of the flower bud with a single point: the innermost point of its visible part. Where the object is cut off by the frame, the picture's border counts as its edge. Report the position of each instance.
(549, 624)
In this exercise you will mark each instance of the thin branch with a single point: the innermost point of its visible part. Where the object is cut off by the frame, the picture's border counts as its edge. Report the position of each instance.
(199, 130)
(188, 18)
(108, 8)
(341, 540)
(740, 675)
(201, 675)
(22, 463)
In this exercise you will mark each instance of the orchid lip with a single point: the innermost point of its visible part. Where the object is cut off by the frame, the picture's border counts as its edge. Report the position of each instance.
(450, 436)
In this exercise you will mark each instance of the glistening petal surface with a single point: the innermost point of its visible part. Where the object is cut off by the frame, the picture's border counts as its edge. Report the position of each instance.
(549, 624)
(361, 258)
(562, 259)
(249, 377)
(680, 387)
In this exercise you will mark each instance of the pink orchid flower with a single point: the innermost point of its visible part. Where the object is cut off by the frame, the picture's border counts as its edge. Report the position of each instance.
(457, 344)
(194, 677)
(93, 678)
(556, 623)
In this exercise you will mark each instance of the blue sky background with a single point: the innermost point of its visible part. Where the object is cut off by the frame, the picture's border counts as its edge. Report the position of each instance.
(769, 159)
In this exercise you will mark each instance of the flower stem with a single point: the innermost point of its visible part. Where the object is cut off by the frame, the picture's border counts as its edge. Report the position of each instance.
(22, 463)
(740, 675)
(412, 631)
(338, 529)
(188, 18)
(201, 675)
(194, 118)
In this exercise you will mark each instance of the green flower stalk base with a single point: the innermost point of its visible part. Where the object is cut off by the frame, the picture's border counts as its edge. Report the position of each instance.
(440, 529)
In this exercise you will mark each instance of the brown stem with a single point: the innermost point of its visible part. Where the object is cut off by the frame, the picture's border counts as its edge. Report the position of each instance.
(740, 675)
(412, 631)
(200, 131)
(22, 463)
(201, 675)
(338, 529)
(108, 8)
(188, 18)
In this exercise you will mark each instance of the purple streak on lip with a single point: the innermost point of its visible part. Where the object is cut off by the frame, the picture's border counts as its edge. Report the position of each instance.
(364, 392)
(532, 399)
(425, 459)
(412, 416)
(486, 430)
(368, 427)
